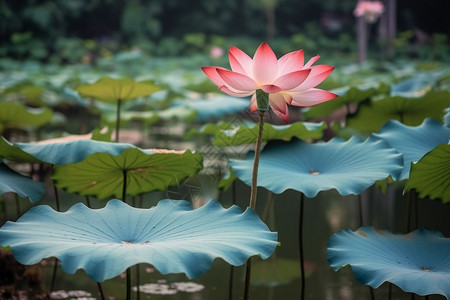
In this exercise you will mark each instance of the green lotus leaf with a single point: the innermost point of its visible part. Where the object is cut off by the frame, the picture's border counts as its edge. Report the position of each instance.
(32, 93)
(102, 175)
(111, 90)
(430, 176)
(178, 112)
(411, 112)
(11, 181)
(227, 180)
(247, 134)
(17, 115)
(414, 87)
(13, 152)
(148, 117)
(347, 95)
(208, 129)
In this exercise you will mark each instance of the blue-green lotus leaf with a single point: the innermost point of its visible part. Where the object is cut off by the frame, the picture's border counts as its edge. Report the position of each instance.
(57, 153)
(414, 87)
(418, 262)
(430, 176)
(172, 236)
(413, 141)
(217, 107)
(350, 166)
(25, 187)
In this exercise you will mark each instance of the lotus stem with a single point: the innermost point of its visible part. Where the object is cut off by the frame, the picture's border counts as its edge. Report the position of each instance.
(55, 268)
(88, 202)
(372, 295)
(138, 280)
(118, 120)
(100, 290)
(361, 217)
(124, 189)
(253, 190)
(58, 207)
(16, 197)
(254, 186)
(300, 245)
(128, 275)
(230, 283)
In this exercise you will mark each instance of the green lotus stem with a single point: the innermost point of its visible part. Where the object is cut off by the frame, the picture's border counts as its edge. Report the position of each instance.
(300, 245)
(100, 290)
(254, 186)
(118, 120)
(124, 189)
(58, 208)
(253, 190)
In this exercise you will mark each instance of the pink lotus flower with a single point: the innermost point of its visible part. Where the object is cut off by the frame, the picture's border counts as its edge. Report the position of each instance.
(371, 10)
(287, 80)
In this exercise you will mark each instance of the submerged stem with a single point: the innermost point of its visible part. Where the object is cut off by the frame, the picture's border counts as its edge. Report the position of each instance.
(128, 275)
(300, 245)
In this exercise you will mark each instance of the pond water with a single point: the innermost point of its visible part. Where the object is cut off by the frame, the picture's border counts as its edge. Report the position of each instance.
(323, 215)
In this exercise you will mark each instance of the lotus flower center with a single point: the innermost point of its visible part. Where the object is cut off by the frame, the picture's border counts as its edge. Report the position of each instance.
(127, 243)
(312, 172)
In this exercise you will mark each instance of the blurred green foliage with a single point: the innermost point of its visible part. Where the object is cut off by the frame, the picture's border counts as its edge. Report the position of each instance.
(73, 31)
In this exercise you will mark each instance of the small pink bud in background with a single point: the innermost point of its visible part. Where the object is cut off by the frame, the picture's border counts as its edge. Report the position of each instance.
(216, 52)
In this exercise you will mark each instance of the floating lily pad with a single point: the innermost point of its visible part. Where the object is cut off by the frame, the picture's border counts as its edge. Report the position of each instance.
(413, 141)
(418, 262)
(350, 166)
(102, 174)
(11, 181)
(172, 237)
(430, 176)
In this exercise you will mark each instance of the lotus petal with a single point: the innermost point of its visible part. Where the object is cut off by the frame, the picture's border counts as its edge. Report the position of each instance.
(413, 141)
(102, 174)
(10, 181)
(430, 176)
(350, 166)
(418, 262)
(171, 236)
